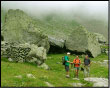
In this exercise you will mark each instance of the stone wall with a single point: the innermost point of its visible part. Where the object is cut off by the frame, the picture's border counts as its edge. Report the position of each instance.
(23, 52)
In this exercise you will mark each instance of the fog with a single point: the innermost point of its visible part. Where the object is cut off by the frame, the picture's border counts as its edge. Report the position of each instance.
(91, 14)
(69, 9)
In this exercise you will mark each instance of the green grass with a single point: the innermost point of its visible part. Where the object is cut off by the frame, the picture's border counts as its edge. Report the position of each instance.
(55, 76)
(101, 57)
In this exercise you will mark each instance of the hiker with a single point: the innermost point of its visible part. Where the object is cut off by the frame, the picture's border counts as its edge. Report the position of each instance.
(76, 63)
(87, 63)
(67, 62)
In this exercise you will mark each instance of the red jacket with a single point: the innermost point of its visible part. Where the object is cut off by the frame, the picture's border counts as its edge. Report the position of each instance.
(77, 62)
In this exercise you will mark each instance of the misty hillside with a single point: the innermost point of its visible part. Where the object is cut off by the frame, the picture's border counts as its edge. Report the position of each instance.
(94, 25)
(54, 24)
(51, 25)
(60, 24)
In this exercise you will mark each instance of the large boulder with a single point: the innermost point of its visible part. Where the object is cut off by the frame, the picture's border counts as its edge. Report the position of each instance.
(23, 52)
(19, 28)
(37, 54)
(81, 40)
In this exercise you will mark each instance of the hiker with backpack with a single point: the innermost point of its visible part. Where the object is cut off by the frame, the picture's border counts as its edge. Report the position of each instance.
(76, 63)
(87, 63)
(66, 63)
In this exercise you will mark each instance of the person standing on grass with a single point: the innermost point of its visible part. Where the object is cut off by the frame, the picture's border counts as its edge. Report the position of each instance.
(76, 63)
(67, 62)
(87, 63)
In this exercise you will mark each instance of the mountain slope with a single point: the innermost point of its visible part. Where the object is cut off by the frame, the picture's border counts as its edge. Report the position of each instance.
(56, 26)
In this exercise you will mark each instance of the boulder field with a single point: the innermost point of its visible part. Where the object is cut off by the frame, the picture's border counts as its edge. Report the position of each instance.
(19, 29)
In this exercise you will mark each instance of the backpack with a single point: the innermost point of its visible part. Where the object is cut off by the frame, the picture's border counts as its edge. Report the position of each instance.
(77, 62)
(63, 60)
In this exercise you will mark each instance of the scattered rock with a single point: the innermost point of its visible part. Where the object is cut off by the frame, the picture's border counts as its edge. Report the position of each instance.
(105, 60)
(100, 38)
(98, 82)
(75, 79)
(104, 63)
(49, 85)
(76, 84)
(19, 76)
(106, 52)
(44, 66)
(30, 76)
(9, 59)
(49, 57)
(94, 61)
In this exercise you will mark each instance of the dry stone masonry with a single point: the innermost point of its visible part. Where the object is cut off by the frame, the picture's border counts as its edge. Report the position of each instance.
(23, 52)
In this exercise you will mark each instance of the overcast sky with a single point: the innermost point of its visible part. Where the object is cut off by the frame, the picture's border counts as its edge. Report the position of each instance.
(96, 9)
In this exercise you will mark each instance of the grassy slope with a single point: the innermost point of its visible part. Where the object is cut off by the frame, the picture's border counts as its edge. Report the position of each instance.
(55, 76)
(57, 27)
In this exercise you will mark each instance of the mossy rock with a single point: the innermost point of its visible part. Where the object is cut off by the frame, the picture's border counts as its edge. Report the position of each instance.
(81, 40)
(19, 28)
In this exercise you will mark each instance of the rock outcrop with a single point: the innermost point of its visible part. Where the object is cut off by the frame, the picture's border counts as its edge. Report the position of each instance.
(98, 82)
(81, 40)
(100, 38)
(19, 28)
(56, 42)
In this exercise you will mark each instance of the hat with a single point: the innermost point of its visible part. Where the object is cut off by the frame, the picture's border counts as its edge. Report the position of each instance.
(68, 53)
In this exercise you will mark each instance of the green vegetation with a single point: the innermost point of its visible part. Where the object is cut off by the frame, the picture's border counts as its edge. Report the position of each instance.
(55, 76)
(104, 47)
(101, 57)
